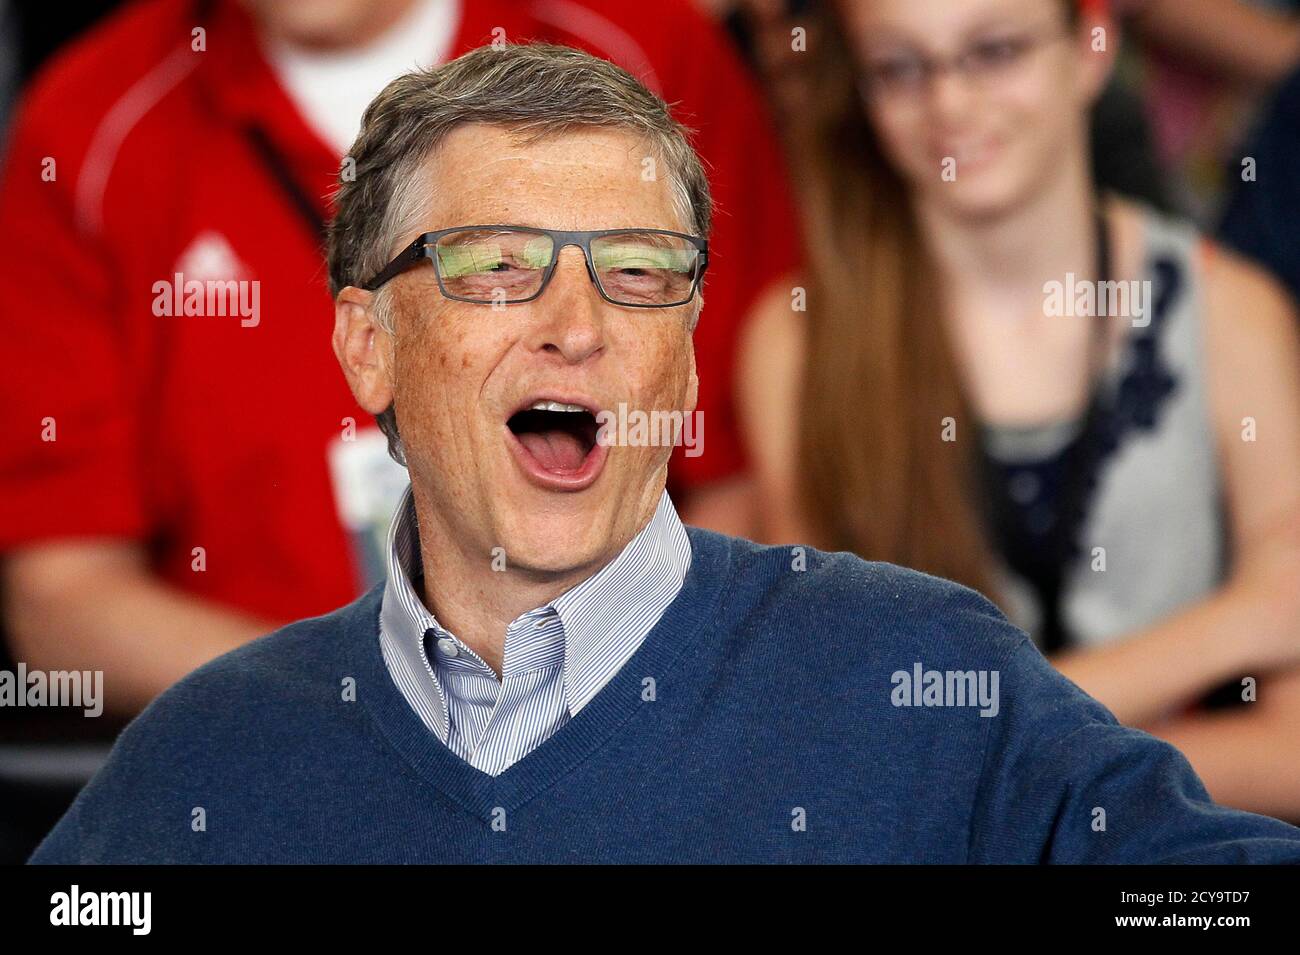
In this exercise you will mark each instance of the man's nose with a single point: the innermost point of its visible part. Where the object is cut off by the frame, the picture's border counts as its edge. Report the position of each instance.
(569, 315)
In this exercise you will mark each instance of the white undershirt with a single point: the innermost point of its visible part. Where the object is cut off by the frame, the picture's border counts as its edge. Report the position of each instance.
(332, 90)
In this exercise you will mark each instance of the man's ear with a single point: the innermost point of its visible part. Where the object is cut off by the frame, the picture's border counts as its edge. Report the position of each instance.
(363, 347)
(692, 384)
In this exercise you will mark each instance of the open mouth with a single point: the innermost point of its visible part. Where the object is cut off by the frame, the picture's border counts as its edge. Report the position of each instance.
(559, 438)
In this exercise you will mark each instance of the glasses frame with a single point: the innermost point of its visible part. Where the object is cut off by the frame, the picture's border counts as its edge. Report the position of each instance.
(423, 248)
(961, 63)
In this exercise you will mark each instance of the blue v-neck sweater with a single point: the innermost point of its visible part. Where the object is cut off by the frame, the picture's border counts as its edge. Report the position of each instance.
(783, 710)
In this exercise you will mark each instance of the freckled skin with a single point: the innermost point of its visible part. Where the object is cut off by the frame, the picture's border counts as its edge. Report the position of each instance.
(460, 368)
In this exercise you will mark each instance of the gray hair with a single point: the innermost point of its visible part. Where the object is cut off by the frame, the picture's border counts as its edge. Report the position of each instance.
(536, 90)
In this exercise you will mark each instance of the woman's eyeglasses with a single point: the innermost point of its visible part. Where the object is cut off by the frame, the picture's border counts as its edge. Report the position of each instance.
(507, 265)
(984, 60)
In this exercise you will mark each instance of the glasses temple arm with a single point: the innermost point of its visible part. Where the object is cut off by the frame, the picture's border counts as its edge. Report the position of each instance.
(404, 260)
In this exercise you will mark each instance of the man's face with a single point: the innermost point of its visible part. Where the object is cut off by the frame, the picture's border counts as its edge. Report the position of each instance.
(537, 486)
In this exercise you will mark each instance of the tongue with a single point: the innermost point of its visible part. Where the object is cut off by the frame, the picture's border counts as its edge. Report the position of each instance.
(555, 450)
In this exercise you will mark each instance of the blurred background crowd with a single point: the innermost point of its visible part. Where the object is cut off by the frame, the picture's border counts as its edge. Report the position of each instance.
(896, 357)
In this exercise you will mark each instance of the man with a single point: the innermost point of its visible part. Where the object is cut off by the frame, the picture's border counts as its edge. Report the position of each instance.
(557, 669)
(179, 475)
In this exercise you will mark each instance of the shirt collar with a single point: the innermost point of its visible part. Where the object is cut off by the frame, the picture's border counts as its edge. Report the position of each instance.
(604, 617)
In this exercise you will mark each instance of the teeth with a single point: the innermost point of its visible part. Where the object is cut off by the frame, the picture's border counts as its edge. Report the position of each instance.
(554, 406)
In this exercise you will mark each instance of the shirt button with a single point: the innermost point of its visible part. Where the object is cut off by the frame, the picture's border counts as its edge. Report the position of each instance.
(447, 647)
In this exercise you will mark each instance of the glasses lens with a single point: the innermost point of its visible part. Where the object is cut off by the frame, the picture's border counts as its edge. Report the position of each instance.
(645, 268)
(993, 56)
(893, 75)
(493, 265)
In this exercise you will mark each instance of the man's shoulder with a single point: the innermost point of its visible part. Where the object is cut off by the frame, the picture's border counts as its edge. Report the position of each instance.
(260, 688)
(797, 571)
(284, 665)
(838, 593)
(220, 739)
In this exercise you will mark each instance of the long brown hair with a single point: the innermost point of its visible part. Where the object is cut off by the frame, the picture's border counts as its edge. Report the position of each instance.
(880, 382)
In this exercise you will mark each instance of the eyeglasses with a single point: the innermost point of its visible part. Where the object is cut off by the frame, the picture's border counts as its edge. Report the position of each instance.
(507, 265)
(984, 61)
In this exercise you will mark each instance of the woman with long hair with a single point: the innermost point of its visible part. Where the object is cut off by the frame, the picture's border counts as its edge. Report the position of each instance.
(994, 373)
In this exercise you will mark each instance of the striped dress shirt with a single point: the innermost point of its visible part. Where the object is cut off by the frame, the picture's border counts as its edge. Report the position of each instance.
(557, 656)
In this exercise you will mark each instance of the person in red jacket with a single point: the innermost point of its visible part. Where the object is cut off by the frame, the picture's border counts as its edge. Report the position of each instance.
(179, 454)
